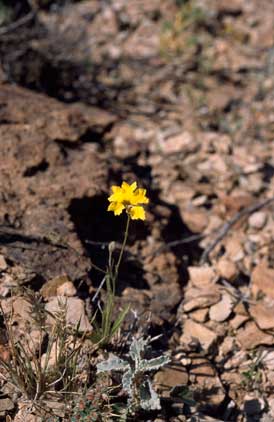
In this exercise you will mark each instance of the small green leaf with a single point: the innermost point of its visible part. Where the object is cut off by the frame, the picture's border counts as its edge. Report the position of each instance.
(149, 399)
(113, 363)
(153, 364)
(118, 322)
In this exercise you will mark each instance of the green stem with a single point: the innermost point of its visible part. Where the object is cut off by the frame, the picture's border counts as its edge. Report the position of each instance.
(122, 249)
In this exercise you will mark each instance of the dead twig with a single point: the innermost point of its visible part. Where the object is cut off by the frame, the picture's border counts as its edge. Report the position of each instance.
(15, 25)
(178, 242)
(229, 224)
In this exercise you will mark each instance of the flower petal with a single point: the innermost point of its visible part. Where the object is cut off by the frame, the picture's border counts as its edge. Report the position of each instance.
(140, 197)
(137, 213)
(116, 207)
(129, 188)
(118, 194)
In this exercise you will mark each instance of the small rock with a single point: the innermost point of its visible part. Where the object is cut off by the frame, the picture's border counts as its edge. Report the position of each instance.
(236, 360)
(262, 279)
(75, 311)
(5, 354)
(3, 263)
(221, 310)
(34, 340)
(195, 331)
(24, 414)
(257, 220)
(270, 377)
(240, 309)
(271, 406)
(49, 289)
(232, 379)
(226, 347)
(201, 298)
(196, 219)
(56, 407)
(5, 405)
(203, 373)
(263, 314)
(234, 249)
(200, 315)
(169, 377)
(178, 143)
(66, 289)
(200, 276)
(268, 359)
(6, 285)
(238, 320)
(50, 357)
(250, 336)
(19, 308)
(227, 269)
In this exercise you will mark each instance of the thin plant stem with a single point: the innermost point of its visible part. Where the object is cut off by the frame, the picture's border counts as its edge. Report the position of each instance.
(122, 248)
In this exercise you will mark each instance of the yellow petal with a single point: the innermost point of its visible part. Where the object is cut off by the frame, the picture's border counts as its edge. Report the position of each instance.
(116, 207)
(117, 196)
(137, 213)
(115, 188)
(129, 188)
(140, 197)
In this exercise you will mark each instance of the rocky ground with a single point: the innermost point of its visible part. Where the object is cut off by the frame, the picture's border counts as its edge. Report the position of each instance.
(178, 96)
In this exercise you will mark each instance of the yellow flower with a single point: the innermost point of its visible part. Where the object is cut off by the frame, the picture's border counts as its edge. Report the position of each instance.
(128, 197)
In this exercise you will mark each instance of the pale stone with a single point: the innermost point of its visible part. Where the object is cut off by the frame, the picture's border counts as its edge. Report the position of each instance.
(262, 279)
(236, 360)
(203, 373)
(196, 219)
(238, 320)
(263, 314)
(3, 263)
(169, 377)
(195, 331)
(234, 249)
(200, 315)
(201, 298)
(240, 309)
(227, 269)
(200, 276)
(226, 346)
(5, 405)
(51, 357)
(257, 220)
(250, 336)
(268, 359)
(66, 289)
(271, 406)
(6, 285)
(178, 143)
(19, 308)
(221, 310)
(49, 289)
(75, 311)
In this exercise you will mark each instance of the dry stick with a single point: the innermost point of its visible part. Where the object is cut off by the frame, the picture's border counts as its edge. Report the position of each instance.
(15, 25)
(227, 226)
(174, 243)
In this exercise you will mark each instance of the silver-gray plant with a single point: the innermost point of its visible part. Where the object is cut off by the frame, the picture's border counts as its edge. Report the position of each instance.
(135, 381)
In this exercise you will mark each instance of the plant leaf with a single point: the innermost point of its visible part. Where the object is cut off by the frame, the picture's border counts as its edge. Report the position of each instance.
(127, 381)
(137, 347)
(117, 323)
(153, 364)
(113, 363)
(149, 399)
